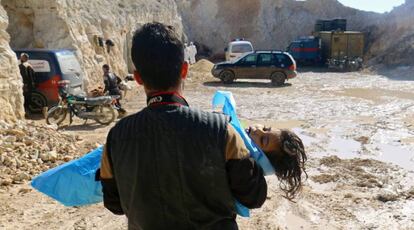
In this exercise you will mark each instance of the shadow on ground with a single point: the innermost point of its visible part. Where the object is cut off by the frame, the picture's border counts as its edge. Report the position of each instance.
(403, 73)
(244, 84)
(317, 69)
(82, 127)
(35, 117)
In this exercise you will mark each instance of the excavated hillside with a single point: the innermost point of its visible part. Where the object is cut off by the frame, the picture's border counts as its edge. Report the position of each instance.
(392, 37)
(68, 24)
(269, 24)
(11, 93)
(273, 24)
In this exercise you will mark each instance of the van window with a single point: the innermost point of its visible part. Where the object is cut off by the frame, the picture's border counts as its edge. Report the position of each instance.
(68, 62)
(40, 66)
(241, 48)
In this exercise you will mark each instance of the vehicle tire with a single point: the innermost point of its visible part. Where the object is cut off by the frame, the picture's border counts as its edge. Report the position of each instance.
(105, 114)
(278, 79)
(37, 102)
(56, 115)
(227, 77)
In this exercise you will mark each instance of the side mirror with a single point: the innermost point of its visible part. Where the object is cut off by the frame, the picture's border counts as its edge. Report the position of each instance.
(226, 49)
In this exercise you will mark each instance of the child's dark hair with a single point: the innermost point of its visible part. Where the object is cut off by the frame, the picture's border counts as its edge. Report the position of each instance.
(290, 163)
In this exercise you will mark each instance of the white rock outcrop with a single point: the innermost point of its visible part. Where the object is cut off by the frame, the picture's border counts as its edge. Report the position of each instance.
(11, 93)
(76, 24)
(393, 37)
(269, 24)
(273, 24)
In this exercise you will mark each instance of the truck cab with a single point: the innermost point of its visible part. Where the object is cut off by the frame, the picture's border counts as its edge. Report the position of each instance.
(306, 50)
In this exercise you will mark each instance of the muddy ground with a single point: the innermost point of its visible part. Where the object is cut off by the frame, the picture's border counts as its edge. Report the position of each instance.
(358, 129)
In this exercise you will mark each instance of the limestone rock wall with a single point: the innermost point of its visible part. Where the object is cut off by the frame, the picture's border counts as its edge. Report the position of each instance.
(392, 37)
(269, 24)
(11, 95)
(75, 24)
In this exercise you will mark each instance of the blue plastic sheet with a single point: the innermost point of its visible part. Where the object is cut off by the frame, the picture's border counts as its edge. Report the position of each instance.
(73, 183)
(226, 100)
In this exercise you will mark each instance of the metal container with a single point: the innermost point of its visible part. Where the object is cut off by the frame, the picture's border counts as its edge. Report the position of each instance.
(340, 45)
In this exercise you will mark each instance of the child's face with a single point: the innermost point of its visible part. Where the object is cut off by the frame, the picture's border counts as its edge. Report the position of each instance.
(265, 138)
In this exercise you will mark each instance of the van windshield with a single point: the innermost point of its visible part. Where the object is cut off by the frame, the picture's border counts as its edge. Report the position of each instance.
(68, 62)
(241, 48)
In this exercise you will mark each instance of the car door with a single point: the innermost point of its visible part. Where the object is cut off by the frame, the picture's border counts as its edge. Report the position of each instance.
(264, 66)
(280, 62)
(246, 67)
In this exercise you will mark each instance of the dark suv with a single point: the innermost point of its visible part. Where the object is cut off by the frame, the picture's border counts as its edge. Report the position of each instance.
(277, 66)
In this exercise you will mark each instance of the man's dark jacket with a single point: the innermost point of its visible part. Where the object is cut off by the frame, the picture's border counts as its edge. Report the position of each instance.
(166, 168)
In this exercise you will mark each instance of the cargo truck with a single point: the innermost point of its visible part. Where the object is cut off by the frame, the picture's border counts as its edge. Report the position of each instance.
(336, 48)
(343, 50)
(306, 50)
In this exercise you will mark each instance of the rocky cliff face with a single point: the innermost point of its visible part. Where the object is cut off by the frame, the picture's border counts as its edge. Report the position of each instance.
(269, 24)
(273, 24)
(392, 37)
(11, 95)
(73, 24)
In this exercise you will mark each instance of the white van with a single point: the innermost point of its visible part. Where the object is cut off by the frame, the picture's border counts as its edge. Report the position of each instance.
(236, 48)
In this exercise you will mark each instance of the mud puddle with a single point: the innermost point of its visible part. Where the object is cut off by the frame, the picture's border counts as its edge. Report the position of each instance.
(377, 95)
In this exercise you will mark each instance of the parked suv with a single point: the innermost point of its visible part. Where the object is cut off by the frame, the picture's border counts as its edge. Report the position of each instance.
(277, 66)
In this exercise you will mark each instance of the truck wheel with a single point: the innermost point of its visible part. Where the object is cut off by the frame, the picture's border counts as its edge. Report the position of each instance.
(37, 102)
(278, 79)
(227, 77)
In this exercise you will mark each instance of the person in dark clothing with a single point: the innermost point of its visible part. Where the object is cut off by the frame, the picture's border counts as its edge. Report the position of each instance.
(111, 82)
(171, 166)
(28, 75)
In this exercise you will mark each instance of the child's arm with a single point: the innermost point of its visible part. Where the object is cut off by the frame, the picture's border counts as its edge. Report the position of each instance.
(246, 179)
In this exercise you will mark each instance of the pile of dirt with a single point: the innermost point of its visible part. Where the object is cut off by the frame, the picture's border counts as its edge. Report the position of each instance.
(200, 71)
(203, 66)
(27, 149)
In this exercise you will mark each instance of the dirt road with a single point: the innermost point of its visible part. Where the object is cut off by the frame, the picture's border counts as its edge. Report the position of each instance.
(358, 129)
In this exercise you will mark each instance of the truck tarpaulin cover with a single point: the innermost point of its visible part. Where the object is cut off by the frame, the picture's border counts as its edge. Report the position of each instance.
(73, 183)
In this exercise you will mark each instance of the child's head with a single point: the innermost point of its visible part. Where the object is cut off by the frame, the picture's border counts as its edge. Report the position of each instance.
(286, 153)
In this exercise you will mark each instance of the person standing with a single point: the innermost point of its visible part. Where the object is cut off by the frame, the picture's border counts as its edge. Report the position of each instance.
(171, 166)
(193, 53)
(28, 75)
(187, 53)
(111, 82)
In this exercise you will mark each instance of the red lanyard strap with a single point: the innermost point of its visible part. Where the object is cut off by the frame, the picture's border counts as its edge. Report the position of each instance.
(166, 99)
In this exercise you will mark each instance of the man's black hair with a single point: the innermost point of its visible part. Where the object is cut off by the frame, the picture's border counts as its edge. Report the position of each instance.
(106, 66)
(158, 55)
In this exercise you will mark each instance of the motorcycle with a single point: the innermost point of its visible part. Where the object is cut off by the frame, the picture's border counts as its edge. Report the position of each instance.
(101, 109)
(346, 64)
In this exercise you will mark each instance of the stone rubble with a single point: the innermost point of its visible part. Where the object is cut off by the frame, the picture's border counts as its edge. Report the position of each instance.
(27, 149)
